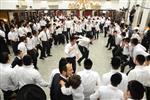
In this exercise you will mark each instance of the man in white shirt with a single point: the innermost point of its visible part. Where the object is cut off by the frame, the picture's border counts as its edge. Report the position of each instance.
(89, 78)
(27, 74)
(139, 73)
(83, 45)
(13, 37)
(43, 36)
(109, 92)
(147, 68)
(22, 45)
(72, 52)
(6, 80)
(137, 49)
(135, 91)
(115, 63)
(31, 50)
(21, 30)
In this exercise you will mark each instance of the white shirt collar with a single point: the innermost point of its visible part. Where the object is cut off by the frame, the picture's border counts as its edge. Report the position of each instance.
(63, 77)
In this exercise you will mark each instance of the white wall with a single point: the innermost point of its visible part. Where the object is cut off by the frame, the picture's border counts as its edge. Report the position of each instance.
(8, 4)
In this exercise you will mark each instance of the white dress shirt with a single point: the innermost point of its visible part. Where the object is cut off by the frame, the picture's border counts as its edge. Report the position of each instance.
(2, 33)
(6, 82)
(28, 29)
(30, 44)
(84, 41)
(28, 75)
(77, 93)
(21, 31)
(13, 36)
(107, 76)
(22, 47)
(90, 81)
(118, 39)
(42, 22)
(140, 74)
(71, 51)
(43, 36)
(69, 23)
(139, 49)
(107, 93)
(89, 27)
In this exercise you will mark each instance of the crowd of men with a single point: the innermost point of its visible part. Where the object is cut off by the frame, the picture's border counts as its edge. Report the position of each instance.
(128, 45)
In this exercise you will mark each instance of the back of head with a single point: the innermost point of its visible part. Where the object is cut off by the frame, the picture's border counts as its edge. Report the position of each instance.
(116, 79)
(88, 64)
(134, 41)
(31, 92)
(62, 65)
(22, 39)
(75, 81)
(115, 62)
(4, 57)
(140, 59)
(27, 60)
(136, 90)
(148, 58)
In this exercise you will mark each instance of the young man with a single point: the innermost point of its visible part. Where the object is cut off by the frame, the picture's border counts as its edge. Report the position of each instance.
(6, 80)
(109, 92)
(83, 45)
(13, 38)
(147, 85)
(72, 52)
(65, 70)
(135, 91)
(27, 74)
(115, 63)
(89, 78)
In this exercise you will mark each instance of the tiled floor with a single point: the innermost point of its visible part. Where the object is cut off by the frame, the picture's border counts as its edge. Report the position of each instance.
(98, 53)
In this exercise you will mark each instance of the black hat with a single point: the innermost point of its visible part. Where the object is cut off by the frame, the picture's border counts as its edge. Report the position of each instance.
(31, 92)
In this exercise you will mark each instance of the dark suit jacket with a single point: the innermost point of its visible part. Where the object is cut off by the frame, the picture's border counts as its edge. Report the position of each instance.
(16, 61)
(55, 90)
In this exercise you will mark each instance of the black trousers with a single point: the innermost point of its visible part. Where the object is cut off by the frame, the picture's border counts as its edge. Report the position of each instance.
(147, 93)
(105, 31)
(72, 60)
(61, 39)
(8, 94)
(39, 47)
(14, 46)
(84, 51)
(34, 54)
(46, 48)
(68, 34)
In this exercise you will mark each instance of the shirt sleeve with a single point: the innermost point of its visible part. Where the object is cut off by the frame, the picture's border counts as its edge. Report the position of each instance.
(95, 96)
(66, 91)
(39, 80)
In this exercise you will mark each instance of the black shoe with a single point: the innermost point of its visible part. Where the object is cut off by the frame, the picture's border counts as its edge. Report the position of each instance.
(49, 55)
(109, 48)
(106, 46)
(79, 63)
(42, 58)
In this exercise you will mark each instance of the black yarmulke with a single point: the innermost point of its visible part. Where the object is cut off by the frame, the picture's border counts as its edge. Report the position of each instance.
(31, 92)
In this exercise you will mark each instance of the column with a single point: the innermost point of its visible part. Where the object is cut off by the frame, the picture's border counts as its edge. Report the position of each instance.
(146, 13)
(137, 13)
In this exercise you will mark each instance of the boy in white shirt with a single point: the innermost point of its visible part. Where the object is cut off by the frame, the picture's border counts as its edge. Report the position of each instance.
(109, 92)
